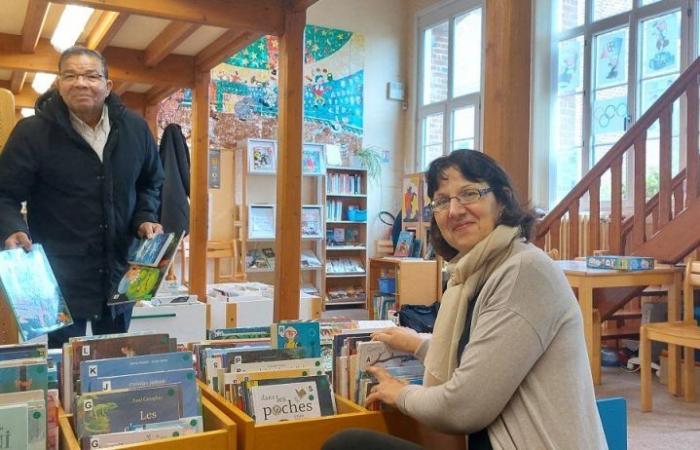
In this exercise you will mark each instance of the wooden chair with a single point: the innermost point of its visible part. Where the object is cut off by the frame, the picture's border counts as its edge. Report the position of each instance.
(685, 333)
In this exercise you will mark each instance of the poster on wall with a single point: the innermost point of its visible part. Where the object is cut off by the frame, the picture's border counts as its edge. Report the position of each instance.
(609, 115)
(261, 221)
(262, 156)
(611, 61)
(244, 91)
(411, 201)
(569, 71)
(662, 45)
(312, 159)
(312, 221)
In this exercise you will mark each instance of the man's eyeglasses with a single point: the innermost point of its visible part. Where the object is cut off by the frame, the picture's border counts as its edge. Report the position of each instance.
(90, 77)
(465, 197)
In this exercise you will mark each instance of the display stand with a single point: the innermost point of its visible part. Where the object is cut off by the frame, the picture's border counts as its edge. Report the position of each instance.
(311, 433)
(416, 280)
(219, 433)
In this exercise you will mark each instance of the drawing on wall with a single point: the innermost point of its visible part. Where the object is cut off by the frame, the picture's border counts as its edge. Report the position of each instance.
(244, 91)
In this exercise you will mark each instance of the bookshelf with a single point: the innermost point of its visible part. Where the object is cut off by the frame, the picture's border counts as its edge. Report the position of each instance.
(414, 208)
(345, 198)
(255, 169)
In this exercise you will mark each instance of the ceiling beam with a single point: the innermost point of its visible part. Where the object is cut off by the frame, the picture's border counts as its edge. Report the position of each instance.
(265, 16)
(135, 101)
(17, 81)
(226, 45)
(23, 99)
(106, 27)
(120, 87)
(158, 93)
(302, 5)
(124, 64)
(33, 23)
(172, 36)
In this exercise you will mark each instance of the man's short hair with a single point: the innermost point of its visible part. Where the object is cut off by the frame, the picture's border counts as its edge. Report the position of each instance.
(78, 50)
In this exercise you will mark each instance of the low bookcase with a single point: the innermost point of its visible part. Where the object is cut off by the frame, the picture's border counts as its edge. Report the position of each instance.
(219, 434)
(308, 434)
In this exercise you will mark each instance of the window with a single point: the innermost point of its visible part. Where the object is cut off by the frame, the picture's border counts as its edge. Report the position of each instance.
(449, 79)
(613, 59)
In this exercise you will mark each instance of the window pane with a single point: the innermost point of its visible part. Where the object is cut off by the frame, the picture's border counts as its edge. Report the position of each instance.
(572, 13)
(611, 58)
(568, 170)
(432, 137)
(649, 2)
(435, 51)
(569, 73)
(462, 127)
(569, 117)
(607, 8)
(661, 45)
(467, 54)
(465, 143)
(609, 113)
(651, 91)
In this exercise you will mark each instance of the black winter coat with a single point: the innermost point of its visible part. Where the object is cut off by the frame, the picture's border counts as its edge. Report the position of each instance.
(85, 212)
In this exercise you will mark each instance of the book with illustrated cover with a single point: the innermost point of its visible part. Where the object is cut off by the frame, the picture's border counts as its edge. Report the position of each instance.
(144, 433)
(269, 255)
(255, 259)
(30, 288)
(404, 244)
(141, 282)
(14, 426)
(119, 410)
(151, 251)
(22, 351)
(276, 400)
(184, 377)
(23, 375)
(238, 333)
(292, 334)
(309, 259)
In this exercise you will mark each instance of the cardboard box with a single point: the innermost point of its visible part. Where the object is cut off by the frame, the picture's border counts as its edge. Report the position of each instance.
(185, 321)
(619, 262)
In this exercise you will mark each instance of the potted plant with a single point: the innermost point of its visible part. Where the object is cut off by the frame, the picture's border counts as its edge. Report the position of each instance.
(371, 158)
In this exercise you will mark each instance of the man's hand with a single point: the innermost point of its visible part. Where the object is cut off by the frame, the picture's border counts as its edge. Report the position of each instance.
(149, 229)
(399, 338)
(387, 391)
(18, 239)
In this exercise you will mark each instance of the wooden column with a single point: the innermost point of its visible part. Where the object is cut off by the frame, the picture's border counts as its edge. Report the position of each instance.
(150, 114)
(289, 136)
(198, 185)
(506, 100)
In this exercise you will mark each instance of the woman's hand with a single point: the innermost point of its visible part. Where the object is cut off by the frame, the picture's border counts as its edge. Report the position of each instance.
(387, 391)
(399, 338)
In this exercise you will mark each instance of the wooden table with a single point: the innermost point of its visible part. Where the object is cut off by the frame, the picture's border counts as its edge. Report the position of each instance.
(585, 280)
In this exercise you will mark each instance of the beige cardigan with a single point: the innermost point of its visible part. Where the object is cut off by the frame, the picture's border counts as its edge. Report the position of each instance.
(525, 373)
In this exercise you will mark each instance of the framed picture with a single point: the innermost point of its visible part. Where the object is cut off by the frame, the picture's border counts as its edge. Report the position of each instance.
(312, 221)
(262, 156)
(312, 162)
(261, 221)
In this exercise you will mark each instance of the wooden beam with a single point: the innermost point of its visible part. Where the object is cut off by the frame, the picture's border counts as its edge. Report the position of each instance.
(224, 46)
(134, 101)
(120, 87)
(199, 186)
(33, 23)
(172, 36)
(289, 135)
(26, 98)
(17, 81)
(507, 89)
(159, 93)
(150, 114)
(302, 5)
(124, 64)
(106, 27)
(266, 16)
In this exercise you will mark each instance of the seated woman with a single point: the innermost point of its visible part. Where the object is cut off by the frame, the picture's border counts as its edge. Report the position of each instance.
(506, 363)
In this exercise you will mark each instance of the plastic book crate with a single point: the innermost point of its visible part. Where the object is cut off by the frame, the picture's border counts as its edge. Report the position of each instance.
(219, 433)
(307, 433)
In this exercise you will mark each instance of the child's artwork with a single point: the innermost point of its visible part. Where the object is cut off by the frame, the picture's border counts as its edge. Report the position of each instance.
(262, 156)
(311, 222)
(261, 222)
(312, 159)
(411, 201)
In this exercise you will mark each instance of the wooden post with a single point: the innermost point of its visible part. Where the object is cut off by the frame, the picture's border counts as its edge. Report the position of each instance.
(150, 113)
(199, 185)
(507, 89)
(289, 136)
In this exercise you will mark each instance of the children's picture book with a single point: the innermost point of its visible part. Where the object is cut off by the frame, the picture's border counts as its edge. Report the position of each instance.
(276, 400)
(110, 411)
(141, 282)
(269, 255)
(312, 159)
(14, 426)
(299, 334)
(425, 201)
(261, 221)
(24, 375)
(311, 221)
(309, 259)
(404, 244)
(151, 251)
(29, 287)
(410, 207)
(256, 260)
(262, 156)
(112, 367)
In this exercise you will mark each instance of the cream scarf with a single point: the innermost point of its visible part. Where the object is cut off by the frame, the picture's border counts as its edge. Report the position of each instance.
(468, 273)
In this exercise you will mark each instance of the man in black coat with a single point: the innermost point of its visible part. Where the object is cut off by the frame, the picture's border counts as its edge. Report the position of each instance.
(89, 171)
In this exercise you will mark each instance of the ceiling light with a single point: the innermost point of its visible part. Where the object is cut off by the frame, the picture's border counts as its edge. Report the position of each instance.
(70, 26)
(43, 81)
(26, 112)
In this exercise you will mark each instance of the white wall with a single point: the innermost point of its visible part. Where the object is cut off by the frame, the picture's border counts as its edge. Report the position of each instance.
(384, 25)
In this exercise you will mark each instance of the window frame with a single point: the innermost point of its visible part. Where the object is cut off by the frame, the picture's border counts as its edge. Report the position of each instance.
(446, 13)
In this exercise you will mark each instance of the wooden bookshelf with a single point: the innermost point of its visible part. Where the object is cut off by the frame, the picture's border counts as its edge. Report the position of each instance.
(416, 280)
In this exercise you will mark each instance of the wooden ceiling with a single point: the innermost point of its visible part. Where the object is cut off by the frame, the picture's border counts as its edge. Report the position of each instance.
(153, 47)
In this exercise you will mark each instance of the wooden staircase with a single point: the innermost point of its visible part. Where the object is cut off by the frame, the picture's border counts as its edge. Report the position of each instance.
(665, 226)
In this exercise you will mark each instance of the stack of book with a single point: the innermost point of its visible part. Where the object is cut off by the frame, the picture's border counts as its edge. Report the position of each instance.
(383, 306)
(344, 294)
(344, 265)
(28, 408)
(129, 388)
(283, 379)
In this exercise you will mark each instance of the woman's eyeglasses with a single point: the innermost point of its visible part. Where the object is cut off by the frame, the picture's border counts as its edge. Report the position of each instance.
(465, 197)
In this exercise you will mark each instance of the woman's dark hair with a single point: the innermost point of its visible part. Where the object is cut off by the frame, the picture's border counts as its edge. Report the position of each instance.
(479, 168)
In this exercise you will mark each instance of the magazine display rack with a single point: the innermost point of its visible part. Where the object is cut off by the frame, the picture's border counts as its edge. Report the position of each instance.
(310, 433)
(219, 433)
